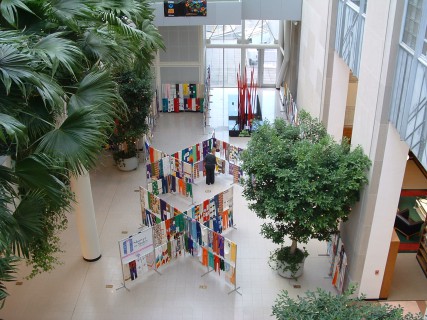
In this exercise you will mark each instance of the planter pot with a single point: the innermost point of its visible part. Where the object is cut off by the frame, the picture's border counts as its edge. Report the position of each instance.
(128, 164)
(288, 274)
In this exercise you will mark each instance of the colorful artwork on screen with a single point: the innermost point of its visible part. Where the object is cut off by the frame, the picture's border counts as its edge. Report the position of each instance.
(185, 8)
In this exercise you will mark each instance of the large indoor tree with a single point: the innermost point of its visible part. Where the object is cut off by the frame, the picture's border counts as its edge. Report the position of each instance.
(322, 305)
(58, 103)
(301, 182)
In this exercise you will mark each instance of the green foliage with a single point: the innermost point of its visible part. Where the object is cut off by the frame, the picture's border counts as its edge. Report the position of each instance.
(244, 133)
(322, 305)
(137, 93)
(300, 180)
(58, 103)
(282, 254)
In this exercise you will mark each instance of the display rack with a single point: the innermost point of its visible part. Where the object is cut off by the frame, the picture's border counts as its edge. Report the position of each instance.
(422, 251)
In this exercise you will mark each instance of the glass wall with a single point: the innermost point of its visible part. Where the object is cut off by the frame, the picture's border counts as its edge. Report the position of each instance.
(269, 76)
(224, 63)
(252, 44)
(349, 32)
(409, 102)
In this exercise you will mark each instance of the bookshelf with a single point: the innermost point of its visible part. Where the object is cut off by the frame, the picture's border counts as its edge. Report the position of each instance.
(422, 250)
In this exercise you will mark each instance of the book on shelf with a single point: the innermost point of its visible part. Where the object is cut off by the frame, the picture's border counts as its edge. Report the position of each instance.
(421, 208)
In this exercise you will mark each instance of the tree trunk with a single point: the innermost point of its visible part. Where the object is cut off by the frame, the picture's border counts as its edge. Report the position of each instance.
(293, 247)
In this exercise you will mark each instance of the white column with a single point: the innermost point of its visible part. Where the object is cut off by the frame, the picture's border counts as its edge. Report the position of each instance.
(85, 216)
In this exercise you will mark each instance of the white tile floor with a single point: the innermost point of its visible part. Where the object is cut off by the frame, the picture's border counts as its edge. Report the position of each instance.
(77, 289)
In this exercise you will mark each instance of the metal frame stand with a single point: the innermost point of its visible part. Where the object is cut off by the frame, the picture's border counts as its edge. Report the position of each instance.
(123, 284)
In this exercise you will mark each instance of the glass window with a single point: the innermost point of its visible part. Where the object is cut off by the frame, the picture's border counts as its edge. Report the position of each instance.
(223, 33)
(356, 2)
(224, 65)
(425, 44)
(360, 4)
(270, 59)
(261, 31)
(412, 22)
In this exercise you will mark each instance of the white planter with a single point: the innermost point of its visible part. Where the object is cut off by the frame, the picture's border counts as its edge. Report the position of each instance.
(288, 274)
(128, 164)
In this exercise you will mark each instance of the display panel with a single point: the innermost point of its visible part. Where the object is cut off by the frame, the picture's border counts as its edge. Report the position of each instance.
(185, 8)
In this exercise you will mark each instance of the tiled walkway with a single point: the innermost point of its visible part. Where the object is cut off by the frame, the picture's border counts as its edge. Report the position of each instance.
(81, 290)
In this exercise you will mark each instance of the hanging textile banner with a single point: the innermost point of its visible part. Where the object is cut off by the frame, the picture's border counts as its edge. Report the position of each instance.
(136, 254)
(159, 245)
(338, 260)
(155, 155)
(206, 101)
(152, 247)
(229, 152)
(188, 164)
(171, 184)
(159, 168)
(138, 244)
(183, 97)
(169, 239)
(213, 250)
(215, 213)
(196, 152)
(155, 210)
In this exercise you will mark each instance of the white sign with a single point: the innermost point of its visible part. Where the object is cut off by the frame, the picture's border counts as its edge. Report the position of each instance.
(136, 245)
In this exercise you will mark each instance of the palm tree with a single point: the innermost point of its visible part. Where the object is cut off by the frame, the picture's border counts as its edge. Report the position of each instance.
(58, 101)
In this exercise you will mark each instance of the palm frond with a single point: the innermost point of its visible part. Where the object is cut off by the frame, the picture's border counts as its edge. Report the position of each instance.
(13, 128)
(12, 102)
(55, 50)
(29, 214)
(14, 67)
(77, 142)
(15, 37)
(22, 227)
(49, 90)
(8, 267)
(116, 24)
(68, 10)
(151, 35)
(37, 172)
(98, 89)
(98, 44)
(130, 8)
(7, 181)
(37, 118)
(9, 10)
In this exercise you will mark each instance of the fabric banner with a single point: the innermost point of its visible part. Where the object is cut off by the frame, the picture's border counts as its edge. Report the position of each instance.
(215, 212)
(182, 97)
(136, 245)
(211, 248)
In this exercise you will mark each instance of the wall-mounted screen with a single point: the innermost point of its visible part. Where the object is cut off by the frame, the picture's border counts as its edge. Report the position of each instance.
(185, 8)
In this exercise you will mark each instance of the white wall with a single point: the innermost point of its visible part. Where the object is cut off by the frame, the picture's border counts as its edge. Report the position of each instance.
(368, 232)
(351, 103)
(272, 9)
(338, 102)
(228, 12)
(233, 12)
(313, 53)
(387, 198)
(183, 59)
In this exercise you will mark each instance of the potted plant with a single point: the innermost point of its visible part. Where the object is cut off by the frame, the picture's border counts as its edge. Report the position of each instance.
(137, 93)
(302, 183)
(325, 305)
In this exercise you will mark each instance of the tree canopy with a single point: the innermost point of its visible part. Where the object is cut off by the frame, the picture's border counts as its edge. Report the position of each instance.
(322, 305)
(300, 180)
